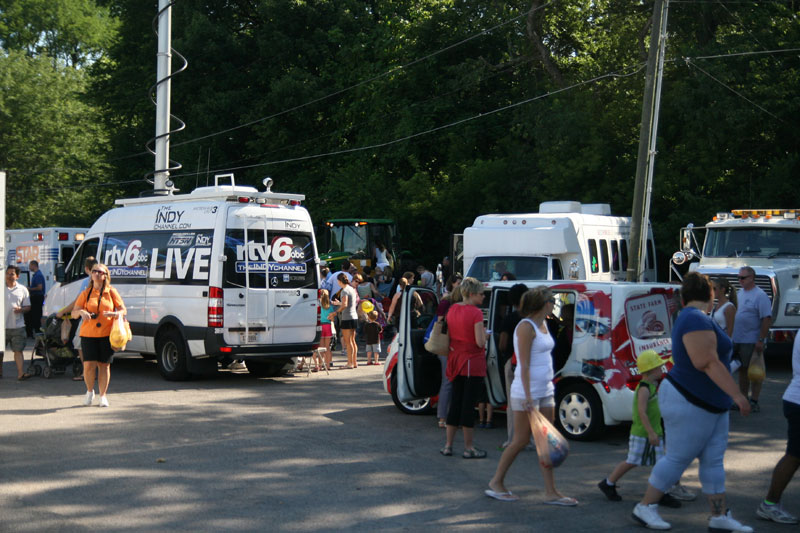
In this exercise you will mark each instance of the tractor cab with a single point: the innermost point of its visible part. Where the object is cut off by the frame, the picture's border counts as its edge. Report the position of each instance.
(355, 239)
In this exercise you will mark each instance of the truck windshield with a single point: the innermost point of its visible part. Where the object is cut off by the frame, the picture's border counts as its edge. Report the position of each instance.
(492, 268)
(752, 242)
(350, 238)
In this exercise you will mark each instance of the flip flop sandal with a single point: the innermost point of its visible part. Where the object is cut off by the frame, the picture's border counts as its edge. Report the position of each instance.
(474, 453)
(447, 451)
(24, 376)
(502, 496)
(563, 502)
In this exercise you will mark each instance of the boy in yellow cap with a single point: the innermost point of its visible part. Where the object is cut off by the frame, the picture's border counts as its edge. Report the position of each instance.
(646, 442)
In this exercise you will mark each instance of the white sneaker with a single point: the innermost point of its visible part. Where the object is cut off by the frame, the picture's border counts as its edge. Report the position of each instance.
(776, 514)
(89, 398)
(103, 401)
(237, 365)
(725, 523)
(648, 516)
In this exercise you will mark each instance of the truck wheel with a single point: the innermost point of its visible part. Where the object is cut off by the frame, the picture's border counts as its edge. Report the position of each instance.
(268, 369)
(413, 407)
(171, 355)
(579, 413)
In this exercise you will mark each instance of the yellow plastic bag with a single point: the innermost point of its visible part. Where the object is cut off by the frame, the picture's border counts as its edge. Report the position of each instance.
(120, 334)
(756, 372)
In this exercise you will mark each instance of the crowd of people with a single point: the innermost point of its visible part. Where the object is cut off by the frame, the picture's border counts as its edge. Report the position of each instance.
(678, 416)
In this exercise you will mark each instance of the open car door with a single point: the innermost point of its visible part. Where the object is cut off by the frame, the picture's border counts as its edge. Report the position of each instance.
(499, 307)
(419, 373)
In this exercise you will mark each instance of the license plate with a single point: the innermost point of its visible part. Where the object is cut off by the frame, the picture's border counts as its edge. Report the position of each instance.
(246, 338)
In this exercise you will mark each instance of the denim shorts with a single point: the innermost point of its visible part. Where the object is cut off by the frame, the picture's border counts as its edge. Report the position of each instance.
(517, 404)
(15, 339)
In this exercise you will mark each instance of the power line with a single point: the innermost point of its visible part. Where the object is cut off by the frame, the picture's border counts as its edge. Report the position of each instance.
(364, 82)
(425, 132)
(734, 91)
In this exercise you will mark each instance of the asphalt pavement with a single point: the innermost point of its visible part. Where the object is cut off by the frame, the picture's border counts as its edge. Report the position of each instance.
(312, 453)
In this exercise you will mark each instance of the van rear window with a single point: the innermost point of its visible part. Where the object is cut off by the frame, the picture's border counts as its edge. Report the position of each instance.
(285, 262)
(493, 268)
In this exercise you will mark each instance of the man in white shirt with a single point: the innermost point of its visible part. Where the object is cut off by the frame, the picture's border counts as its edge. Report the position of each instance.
(332, 285)
(18, 303)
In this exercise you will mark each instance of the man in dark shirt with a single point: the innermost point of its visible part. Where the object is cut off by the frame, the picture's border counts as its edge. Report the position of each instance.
(33, 318)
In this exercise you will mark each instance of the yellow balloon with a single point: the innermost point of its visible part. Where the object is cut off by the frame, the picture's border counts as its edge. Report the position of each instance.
(367, 306)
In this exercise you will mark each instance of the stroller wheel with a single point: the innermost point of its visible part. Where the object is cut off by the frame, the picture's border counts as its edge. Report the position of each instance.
(37, 369)
(77, 368)
(47, 372)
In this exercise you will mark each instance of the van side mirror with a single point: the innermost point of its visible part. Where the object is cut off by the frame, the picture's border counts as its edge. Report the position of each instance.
(60, 273)
(686, 238)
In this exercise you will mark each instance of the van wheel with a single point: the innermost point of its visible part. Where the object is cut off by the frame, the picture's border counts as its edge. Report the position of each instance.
(171, 355)
(580, 413)
(414, 407)
(268, 369)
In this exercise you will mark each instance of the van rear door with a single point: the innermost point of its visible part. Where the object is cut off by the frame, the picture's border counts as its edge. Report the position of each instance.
(247, 313)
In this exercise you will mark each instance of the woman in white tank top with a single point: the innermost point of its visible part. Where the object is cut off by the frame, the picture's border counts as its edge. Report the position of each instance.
(725, 312)
(531, 389)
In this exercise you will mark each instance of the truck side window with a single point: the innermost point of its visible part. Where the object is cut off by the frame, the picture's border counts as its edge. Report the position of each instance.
(557, 272)
(593, 256)
(75, 270)
(614, 256)
(623, 245)
(604, 254)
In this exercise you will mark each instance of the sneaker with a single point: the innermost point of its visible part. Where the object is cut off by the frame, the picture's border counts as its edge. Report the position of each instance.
(669, 501)
(754, 407)
(89, 398)
(103, 401)
(679, 492)
(726, 522)
(609, 490)
(237, 365)
(648, 516)
(776, 514)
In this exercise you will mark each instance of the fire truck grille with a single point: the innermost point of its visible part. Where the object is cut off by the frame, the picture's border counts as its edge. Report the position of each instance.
(764, 282)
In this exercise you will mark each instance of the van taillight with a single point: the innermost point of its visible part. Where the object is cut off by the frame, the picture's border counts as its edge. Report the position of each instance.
(63, 236)
(215, 307)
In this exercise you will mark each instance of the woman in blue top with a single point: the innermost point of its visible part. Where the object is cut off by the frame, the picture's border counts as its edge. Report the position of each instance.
(694, 400)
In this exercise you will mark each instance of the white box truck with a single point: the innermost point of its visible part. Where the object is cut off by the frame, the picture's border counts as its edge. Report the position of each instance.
(564, 240)
(224, 272)
(50, 247)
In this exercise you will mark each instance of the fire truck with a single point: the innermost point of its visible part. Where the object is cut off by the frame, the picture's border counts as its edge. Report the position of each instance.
(768, 240)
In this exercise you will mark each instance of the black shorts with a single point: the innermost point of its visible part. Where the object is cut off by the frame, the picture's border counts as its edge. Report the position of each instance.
(348, 324)
(792, 413)
(96, 349)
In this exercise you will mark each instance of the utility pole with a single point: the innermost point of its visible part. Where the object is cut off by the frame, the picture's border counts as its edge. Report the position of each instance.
(640, 213)
(3, 248)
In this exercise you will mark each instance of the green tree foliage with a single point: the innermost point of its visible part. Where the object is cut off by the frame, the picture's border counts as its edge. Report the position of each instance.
(51, 144)
(435, 111)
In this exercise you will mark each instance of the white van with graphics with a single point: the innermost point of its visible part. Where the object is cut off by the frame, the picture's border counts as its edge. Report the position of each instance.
(225, 272)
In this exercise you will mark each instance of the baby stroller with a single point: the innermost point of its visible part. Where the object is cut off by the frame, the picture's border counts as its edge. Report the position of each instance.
(55, 355)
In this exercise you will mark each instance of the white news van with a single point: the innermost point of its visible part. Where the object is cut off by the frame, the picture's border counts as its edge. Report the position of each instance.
(49, 246)
(225, 272)
(564, 240)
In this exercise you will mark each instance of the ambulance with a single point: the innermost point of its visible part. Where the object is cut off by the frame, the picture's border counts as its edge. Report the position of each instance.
(50, 247)
(223, 273)
(564, 240)
(599, 328)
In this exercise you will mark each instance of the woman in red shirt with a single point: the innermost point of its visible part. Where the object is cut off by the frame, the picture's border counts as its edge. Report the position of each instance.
(98, 305)
(466, 365)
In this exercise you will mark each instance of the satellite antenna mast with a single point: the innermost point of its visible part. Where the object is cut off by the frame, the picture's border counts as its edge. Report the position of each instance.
(162, 25)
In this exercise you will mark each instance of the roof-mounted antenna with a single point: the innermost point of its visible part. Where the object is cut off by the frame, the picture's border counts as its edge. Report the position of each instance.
(162, 26)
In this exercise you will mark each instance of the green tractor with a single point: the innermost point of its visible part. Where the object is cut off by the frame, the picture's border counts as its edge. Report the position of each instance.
(355, 239)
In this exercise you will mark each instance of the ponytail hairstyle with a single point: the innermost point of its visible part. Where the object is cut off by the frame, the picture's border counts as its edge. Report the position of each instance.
(727, 289)
(324, 299)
